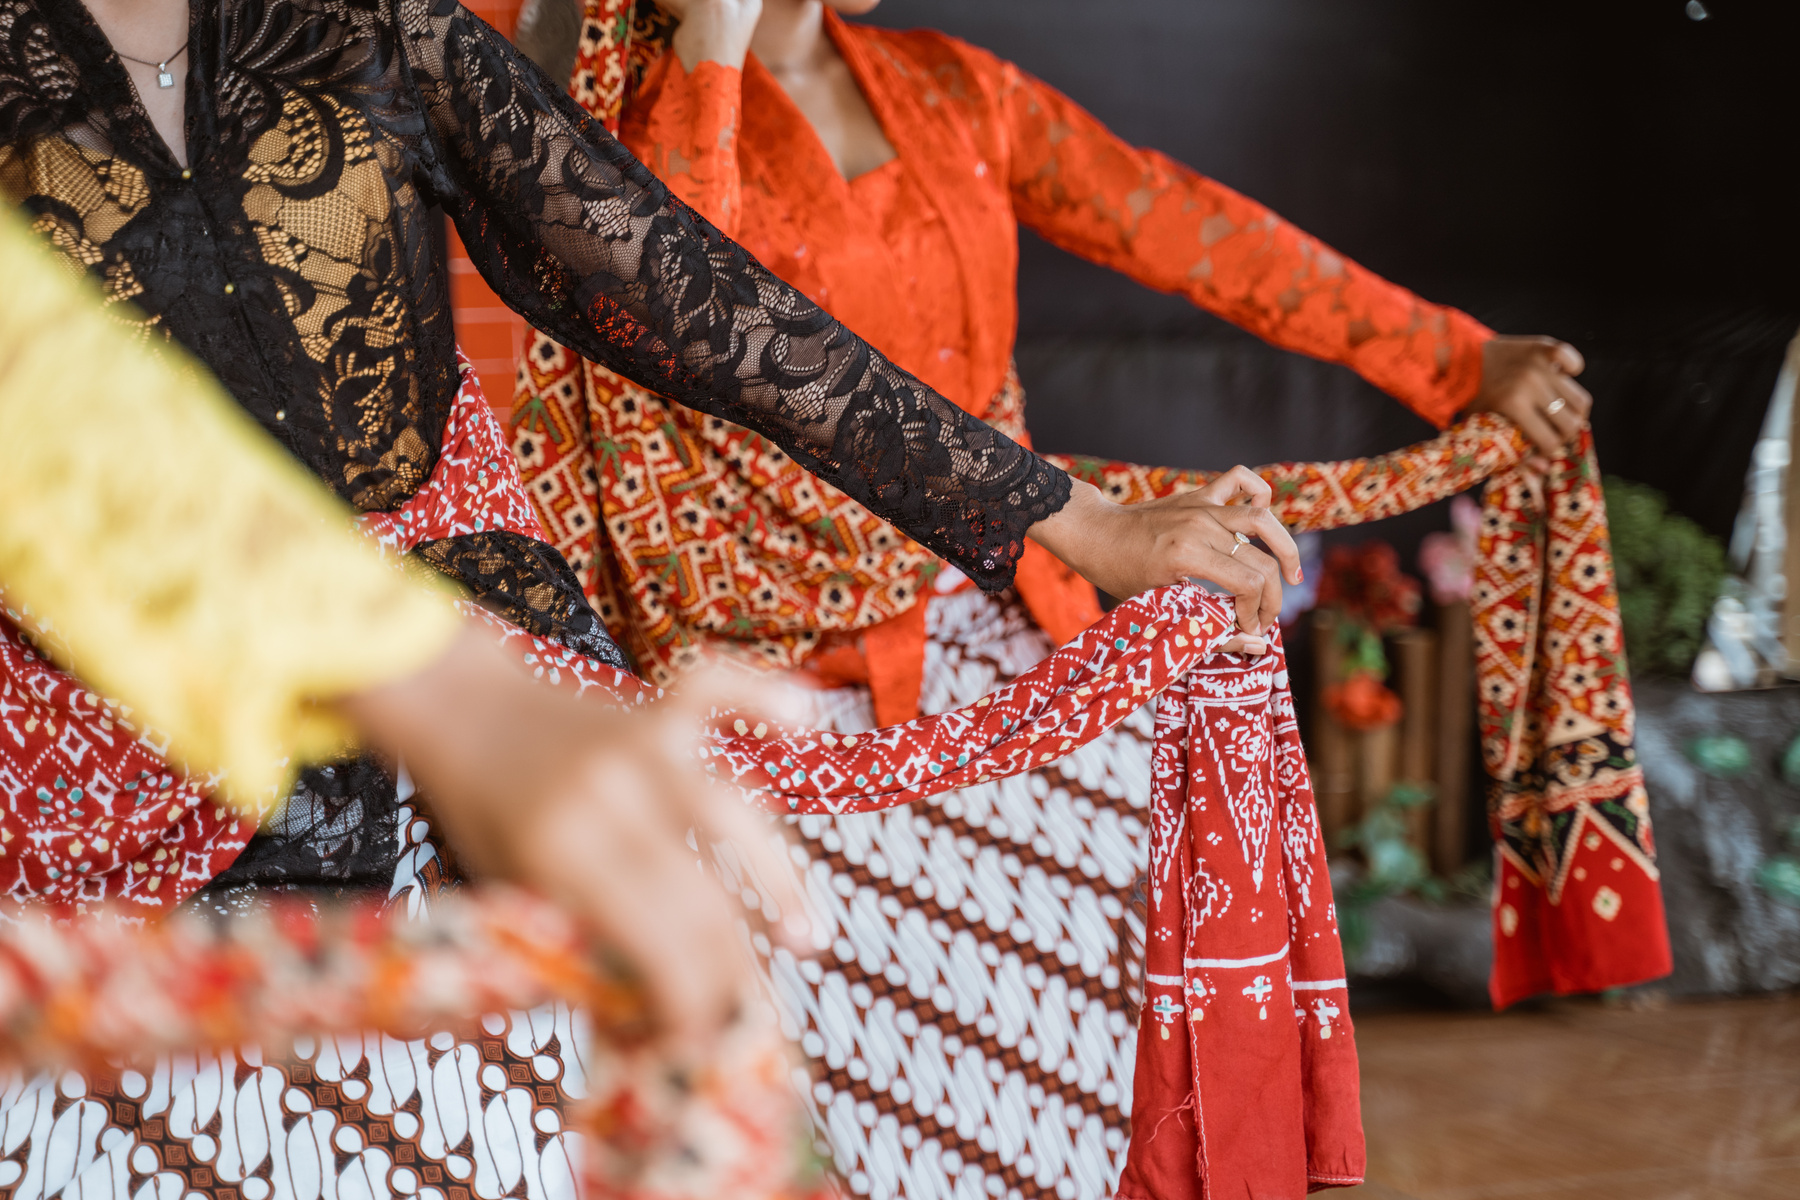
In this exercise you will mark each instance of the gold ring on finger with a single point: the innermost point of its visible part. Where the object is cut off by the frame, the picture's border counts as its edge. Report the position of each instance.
(1242, 541)
(1555, 406)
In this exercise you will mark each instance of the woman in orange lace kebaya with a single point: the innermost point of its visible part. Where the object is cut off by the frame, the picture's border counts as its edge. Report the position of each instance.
(885, 174)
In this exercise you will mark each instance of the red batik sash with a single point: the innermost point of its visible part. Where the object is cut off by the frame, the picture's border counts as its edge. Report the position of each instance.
(91, 811)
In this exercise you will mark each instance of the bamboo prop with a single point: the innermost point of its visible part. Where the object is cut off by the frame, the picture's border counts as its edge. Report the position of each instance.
(1331, 749)
(1415, 673)
(1455, 727)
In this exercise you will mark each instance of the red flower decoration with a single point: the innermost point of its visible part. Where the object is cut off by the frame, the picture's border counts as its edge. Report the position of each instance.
(1367, 584)
(1362, 702)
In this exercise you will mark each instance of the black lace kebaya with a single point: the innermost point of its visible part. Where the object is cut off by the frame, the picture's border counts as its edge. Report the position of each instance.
(294, 257)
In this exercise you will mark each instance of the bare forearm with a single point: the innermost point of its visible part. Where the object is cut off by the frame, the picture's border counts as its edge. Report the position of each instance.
(714, 30)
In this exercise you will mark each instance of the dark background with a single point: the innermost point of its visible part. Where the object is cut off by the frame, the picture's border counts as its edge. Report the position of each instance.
(1615, 174)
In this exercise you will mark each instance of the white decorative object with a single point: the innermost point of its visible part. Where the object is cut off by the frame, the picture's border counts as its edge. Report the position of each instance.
(1746, 646)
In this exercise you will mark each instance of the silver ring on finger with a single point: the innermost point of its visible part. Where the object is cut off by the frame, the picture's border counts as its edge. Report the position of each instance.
(1555, 406)
(1242, 541)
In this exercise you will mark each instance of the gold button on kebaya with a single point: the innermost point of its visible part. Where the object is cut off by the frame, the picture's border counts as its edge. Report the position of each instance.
(187, 173)
(230, 288)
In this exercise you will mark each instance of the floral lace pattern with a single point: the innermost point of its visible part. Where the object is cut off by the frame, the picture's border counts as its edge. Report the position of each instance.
(293, 255)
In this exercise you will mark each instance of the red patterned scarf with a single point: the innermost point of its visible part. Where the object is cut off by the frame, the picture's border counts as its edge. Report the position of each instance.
(1577, 902)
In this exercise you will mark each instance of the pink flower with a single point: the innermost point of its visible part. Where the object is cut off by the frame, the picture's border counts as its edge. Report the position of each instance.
(1448, 559)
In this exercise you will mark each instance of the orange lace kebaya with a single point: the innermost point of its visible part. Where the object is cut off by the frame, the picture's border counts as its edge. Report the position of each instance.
(920, 256)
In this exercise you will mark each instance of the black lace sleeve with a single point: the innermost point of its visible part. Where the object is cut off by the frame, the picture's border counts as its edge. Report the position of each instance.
(577, 236)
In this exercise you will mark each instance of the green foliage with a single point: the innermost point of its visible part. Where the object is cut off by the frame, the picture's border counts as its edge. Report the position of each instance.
(1392, 864)
(1362, 648)
(1719, 754)
(1780, 877)
(1779, 874)
(1790, 763)
(1669, 571)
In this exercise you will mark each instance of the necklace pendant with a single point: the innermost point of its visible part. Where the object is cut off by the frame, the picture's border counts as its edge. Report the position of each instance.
(164, 77)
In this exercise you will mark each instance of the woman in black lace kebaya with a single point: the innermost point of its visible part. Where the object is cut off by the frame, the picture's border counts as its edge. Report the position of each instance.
(260, 193)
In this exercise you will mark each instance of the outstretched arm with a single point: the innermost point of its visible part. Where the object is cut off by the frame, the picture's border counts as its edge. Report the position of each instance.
(577, 236)
(1173, 229)
(589, 246)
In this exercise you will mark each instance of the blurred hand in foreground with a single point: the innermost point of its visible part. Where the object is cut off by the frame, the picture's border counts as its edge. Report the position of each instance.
(591, 807)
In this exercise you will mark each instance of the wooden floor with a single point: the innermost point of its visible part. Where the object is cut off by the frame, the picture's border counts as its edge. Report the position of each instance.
(1582, 1100)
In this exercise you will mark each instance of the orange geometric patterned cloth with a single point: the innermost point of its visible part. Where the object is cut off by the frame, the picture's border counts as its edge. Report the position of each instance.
(1578, 906)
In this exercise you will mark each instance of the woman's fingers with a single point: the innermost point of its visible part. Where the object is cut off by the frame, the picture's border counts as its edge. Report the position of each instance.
(1125, 549)
(762, 851)
(1249, 575)
(1527, 412)
(1574, 395)
(720, 689)
(1567, 357)
(656, 905)
(1239, 482)
(1261, 523)
(1253, 645)
(718, 814)
(1561, 403)
(1524, 378)
(1546, 400)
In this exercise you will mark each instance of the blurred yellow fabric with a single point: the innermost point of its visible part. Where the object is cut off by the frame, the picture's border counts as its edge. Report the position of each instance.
(182, 559)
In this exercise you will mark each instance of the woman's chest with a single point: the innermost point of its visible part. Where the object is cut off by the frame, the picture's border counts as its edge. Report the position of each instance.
(296, 155)
(303, 214)
(898, 245)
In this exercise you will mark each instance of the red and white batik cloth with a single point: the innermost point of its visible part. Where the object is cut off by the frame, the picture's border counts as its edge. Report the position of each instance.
(1225, 991)
(968, 1026)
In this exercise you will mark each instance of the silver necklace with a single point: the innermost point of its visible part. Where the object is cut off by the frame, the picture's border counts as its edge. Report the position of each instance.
(165, 78)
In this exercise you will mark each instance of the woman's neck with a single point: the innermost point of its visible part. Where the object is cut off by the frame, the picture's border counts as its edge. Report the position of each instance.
(790, 36)
(145, 33)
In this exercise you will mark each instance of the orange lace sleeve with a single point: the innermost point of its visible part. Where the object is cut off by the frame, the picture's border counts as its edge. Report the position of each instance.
(1170, 228)
(684, 127)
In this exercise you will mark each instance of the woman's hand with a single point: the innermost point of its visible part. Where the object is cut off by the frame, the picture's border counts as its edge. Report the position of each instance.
(1529, 381)
(1126, 549)
(713, 30)
(591, 807)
